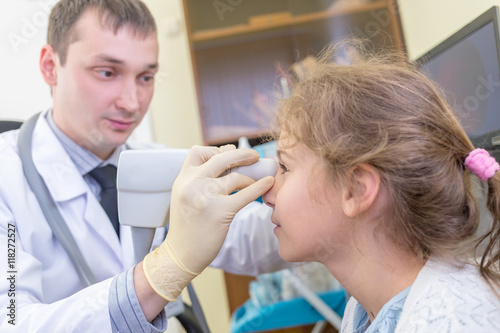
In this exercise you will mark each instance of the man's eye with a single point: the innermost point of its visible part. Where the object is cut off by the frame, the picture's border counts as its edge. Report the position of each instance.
(105, 74)
(148, 78)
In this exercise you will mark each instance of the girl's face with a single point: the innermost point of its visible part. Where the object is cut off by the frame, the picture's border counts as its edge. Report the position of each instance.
(307, 208)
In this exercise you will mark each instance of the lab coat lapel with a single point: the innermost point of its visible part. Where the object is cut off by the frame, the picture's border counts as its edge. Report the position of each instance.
(65, 184)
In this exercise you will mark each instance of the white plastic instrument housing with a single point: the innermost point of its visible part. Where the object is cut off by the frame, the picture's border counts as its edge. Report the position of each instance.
(145, 179)
(144, 182)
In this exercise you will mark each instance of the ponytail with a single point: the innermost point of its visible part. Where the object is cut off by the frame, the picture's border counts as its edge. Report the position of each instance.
(490, 260)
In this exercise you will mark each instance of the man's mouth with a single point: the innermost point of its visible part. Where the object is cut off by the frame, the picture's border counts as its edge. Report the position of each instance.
(121, 125)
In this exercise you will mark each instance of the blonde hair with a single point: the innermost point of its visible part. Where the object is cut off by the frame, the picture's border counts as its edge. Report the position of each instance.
(382, 111)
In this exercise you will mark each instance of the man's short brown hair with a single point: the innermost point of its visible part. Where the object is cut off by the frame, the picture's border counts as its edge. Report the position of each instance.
(112, 13)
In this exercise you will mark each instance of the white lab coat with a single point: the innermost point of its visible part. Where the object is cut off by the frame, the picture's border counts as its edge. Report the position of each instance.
(48, 293)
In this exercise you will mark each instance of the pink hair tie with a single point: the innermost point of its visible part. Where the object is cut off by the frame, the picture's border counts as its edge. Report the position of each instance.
(480, 163)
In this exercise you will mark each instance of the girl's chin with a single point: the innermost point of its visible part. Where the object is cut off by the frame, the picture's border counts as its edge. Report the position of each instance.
(290, 256)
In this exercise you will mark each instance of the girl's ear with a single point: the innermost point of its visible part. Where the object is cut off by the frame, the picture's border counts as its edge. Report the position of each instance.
(48, 61)
(360, 190)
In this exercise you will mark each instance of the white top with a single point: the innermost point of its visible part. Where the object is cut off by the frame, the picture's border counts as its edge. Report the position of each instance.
(447, 299)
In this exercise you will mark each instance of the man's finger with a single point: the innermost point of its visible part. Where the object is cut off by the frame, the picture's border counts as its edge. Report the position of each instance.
(252, 192)
(200, 154)
(229, 159)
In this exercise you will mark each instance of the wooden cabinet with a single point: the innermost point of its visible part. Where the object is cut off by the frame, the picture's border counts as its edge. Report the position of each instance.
(239, 46)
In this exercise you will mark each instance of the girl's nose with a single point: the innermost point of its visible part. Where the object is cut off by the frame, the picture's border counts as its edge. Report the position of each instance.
(269, 196)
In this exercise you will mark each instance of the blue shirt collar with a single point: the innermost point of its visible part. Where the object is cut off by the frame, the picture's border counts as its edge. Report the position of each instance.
(387, 318)
(84, 160)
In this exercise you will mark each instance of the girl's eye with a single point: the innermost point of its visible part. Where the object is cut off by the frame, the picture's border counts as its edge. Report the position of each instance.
(283, 168)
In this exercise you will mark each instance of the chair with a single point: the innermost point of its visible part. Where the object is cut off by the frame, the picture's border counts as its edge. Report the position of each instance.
(7, 125)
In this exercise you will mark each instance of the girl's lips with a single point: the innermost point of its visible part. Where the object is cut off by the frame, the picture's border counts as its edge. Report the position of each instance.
(277, 227)
(121, 125)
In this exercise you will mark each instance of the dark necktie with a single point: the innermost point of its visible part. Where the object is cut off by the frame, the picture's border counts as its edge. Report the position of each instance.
(106, 177)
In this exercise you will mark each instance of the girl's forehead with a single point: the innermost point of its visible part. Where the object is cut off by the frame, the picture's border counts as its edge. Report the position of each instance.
(287, 140)
(295, 151)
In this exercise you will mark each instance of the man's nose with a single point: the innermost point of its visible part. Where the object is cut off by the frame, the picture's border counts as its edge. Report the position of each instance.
(129, 97)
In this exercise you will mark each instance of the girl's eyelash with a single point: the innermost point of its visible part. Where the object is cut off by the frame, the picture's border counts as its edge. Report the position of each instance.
(283, 167)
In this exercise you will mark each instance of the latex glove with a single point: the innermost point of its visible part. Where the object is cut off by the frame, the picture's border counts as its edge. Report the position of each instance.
(201, 211)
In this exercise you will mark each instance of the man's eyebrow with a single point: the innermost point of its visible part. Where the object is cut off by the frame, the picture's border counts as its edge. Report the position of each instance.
(112, 60)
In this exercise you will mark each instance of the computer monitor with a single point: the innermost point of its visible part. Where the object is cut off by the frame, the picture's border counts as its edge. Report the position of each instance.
(467, 68)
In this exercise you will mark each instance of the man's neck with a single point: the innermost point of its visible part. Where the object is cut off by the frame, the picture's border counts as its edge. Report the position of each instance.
(83, 158)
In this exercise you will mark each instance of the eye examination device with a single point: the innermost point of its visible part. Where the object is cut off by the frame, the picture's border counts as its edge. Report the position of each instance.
(144, 182)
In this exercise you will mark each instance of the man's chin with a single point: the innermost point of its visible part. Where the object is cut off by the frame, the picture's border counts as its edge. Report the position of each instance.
(117, 140)
(104, 146)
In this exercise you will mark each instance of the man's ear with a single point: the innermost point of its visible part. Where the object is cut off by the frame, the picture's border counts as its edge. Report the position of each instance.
(360, 190)
(48, 65)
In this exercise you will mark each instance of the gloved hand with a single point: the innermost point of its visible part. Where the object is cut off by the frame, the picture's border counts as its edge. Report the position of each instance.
(201, 211)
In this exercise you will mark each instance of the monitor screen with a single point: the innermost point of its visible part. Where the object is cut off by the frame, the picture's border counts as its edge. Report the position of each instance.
(467, 68)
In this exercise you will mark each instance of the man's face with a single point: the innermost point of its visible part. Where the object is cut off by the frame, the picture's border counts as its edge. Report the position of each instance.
(104, 89)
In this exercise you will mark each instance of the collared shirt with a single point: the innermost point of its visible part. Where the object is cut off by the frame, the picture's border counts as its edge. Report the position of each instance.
(84, 160)
(126, 312)
(387, 318)
(124, 309)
